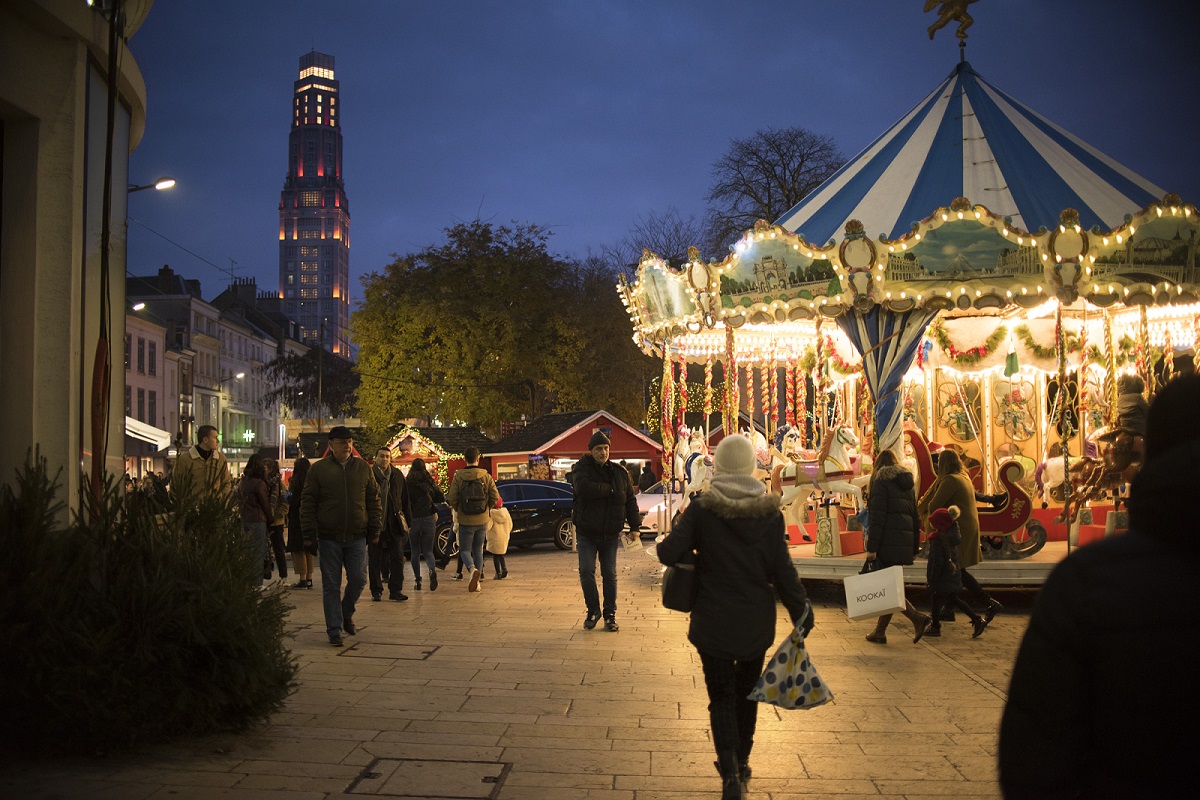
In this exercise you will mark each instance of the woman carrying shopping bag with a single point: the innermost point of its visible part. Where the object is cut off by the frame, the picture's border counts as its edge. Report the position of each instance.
(737, 534)
(893, 532)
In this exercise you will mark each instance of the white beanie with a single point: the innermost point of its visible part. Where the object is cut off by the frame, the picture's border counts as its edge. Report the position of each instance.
(735, 456)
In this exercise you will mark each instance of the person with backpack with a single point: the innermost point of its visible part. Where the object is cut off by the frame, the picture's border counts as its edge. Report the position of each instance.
(472, 494)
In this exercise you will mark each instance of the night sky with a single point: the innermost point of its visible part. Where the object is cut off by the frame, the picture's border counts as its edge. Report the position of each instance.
(584, 115)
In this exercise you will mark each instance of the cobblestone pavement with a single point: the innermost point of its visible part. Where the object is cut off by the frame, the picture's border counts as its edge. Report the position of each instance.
(504, 695)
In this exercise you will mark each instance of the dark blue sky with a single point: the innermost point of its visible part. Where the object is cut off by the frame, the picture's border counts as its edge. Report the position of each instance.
(582, 115)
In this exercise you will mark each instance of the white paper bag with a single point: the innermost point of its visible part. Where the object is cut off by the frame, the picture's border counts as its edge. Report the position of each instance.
(873, 594)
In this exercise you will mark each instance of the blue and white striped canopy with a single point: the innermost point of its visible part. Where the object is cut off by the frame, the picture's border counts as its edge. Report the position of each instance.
(969, 139)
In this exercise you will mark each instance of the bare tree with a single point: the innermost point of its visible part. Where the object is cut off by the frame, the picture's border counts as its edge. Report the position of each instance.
(763, 177)
(666, 234)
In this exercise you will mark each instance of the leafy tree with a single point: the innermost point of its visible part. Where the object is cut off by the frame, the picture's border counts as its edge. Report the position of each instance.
(762, 177)
(295, 380)
(481, 329)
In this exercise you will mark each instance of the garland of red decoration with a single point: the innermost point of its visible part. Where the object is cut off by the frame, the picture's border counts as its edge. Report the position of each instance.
(683, 392)
(668, 392)
(765, 386)
(972, 355)
(790, 391)
(774, 390)
(750, 393)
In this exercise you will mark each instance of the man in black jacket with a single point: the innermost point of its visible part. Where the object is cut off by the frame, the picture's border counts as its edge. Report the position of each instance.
(604, 502)
(397, 522)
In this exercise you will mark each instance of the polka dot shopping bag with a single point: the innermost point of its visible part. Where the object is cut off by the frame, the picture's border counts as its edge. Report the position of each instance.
(790, 680)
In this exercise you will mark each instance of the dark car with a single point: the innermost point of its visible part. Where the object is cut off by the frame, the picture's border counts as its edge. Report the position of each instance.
(540, 510)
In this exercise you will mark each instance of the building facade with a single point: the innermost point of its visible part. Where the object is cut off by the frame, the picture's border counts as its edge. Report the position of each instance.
(54, 89)
(314, 214)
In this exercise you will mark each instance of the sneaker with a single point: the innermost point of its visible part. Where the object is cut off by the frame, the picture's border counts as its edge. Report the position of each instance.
(473, 586)
(458, 576)
(979, 625)
(398, 596)
(592, 619)
(335, 640)
(433, 581)
(349, 627)
(610, 623)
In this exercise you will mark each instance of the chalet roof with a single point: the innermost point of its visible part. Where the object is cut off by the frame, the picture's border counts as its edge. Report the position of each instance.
(547, 429)
(455, 440)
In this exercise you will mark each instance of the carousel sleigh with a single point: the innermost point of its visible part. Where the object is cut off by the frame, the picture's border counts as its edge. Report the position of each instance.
(1005, 532)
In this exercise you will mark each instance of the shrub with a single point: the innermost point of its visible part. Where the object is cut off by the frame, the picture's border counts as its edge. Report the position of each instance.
(140, 624)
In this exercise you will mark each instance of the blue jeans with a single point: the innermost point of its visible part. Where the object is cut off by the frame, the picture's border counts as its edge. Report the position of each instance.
(606, 549)
(256, 534)
(420, 541)
(470, 545)
(352, 555)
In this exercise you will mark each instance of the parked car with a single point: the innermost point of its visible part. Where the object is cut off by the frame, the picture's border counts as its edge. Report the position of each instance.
(541, 512)
(652, 503)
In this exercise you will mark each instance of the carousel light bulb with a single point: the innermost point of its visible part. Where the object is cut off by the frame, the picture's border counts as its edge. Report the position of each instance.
(1132, 230)
(1106, 240)
(917, 236)
(1078, 229)
(1020, 240)
(795, 247)
(903, 246)
(1057, 258)
(904, 295)
(1045, 257)
(1008, 293)
(918, 297)
(962, 290)
(1039, 288)
(889, 295)
(945, 217)
(1024, 290)
(949, 294)
(1004, 231)
(1119, 238)
(1062, 229)
(978, 293)
(1174, 211)
(1159, 210)
(891, 248)
(977, 215)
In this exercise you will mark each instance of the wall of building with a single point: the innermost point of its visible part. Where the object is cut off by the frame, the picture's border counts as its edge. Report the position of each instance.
(52, 94)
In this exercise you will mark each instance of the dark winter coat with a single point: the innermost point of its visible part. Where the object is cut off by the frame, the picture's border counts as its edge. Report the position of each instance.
(424, 495)
(1131, 413)
(893, 526)
(340, 501)
(942, 571)
(1103, 700)
(394, 502)
(604, 499)
(255, 501)
(742, 563)
(647, 479)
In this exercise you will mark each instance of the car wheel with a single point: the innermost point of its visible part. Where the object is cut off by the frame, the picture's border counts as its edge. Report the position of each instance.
(445, 544)
(564, 534)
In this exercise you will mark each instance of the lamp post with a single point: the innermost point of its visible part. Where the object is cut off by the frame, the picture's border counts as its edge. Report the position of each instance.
(164, 182)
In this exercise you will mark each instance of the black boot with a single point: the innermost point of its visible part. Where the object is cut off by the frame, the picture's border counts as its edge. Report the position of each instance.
(731, 781)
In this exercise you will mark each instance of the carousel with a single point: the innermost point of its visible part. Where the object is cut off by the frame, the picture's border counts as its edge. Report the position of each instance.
(977, 278)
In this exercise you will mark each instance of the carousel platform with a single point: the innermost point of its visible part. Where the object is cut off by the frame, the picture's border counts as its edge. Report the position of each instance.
(1031, 571)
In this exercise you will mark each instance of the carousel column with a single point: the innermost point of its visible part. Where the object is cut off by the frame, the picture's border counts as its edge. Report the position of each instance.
(1060, 345)
(750, 393)
(708, 393)
(730, 417)
(683, 390)
(987, 450)
(1110, 381)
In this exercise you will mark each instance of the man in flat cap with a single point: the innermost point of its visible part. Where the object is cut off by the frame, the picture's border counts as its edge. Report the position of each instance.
(605, 501)
(340, 510)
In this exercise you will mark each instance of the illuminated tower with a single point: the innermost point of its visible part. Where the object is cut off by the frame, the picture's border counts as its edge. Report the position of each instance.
(314, 216)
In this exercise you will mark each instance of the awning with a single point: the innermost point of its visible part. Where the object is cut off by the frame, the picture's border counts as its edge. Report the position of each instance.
(147, 433)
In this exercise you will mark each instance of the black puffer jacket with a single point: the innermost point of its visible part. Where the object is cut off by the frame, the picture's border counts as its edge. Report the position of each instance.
(893, 526)
(742, 562)
(942, 572)
(424, 495)
(604, 499)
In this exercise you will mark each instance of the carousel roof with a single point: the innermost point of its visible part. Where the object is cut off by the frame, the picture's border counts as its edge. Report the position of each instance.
(969, 139)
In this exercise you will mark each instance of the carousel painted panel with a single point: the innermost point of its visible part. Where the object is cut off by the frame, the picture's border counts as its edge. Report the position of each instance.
(1015, 426)
(1151, 263)
(774, 270)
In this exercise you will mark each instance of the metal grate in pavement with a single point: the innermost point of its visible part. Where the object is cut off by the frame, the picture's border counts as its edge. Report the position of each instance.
(432, 778)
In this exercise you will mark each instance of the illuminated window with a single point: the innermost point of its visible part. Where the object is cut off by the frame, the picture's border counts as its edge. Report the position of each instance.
(310, 234)
(318, 98)
(319, 121)
(310, 198)
(318, 72)
(309, 251)
(291, 280)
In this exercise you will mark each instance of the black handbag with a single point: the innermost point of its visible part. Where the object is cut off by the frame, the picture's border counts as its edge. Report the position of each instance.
(679, 587)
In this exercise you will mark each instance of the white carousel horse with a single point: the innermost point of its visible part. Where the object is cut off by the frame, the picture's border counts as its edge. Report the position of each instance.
(698, 467)
(683, 449)
(834, 469)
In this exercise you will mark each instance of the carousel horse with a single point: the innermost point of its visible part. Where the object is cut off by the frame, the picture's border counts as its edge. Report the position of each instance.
(834, 469)
(1119, 461)
(683, 449)
(697, 468)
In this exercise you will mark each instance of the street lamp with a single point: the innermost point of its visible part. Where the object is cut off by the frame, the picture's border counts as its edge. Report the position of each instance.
(160, 184)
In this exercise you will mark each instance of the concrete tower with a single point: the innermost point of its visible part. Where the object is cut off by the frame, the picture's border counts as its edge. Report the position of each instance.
(314, 215)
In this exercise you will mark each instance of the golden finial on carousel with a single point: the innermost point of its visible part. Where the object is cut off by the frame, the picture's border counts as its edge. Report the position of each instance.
(1069, 218)
(762, 226)
(693, 253)
(951, 11)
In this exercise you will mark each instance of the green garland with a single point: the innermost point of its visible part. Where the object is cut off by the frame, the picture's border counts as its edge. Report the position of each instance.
(1070, 337)
(695, 402)
(1124, 351)
(971, 357)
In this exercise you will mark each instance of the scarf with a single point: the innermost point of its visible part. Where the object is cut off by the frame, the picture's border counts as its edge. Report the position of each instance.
(734, 488)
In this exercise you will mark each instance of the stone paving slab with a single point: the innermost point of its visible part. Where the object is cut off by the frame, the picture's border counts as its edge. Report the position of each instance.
(508, 676)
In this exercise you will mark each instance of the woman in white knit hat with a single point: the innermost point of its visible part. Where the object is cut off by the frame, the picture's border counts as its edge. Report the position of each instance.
(737, 534)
